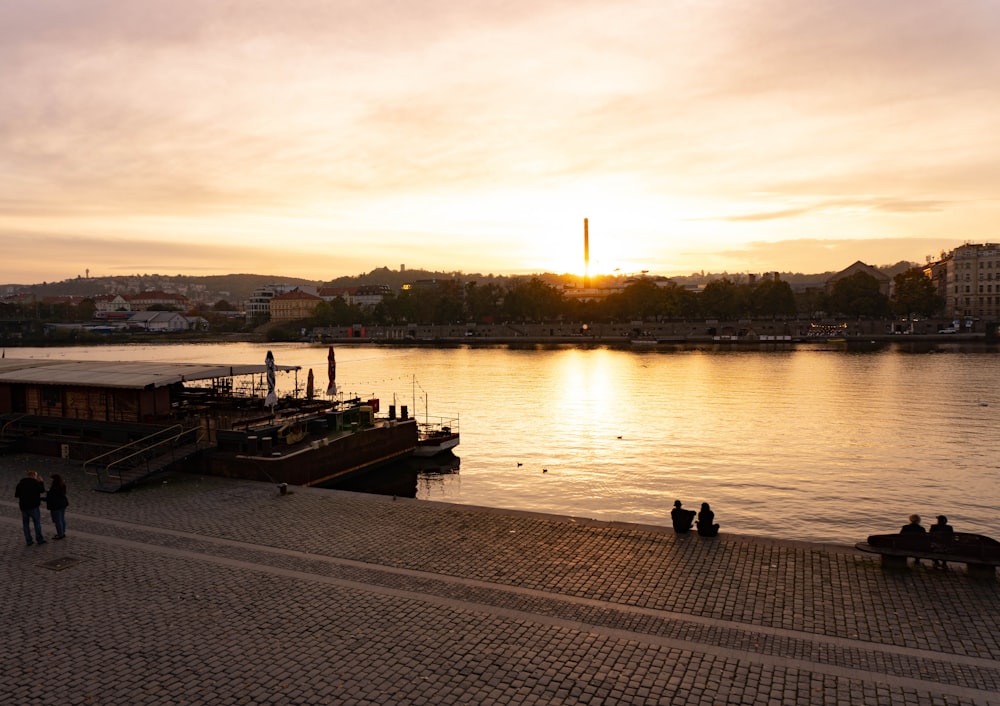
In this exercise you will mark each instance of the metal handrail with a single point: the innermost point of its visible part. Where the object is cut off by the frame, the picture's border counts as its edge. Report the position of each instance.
(143, 440)
(107, 472)
(3, 430)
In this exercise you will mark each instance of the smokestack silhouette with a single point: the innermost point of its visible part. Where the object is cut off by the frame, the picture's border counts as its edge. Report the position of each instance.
(586, 254)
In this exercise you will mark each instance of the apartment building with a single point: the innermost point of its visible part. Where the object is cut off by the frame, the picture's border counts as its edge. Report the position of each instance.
(258, 306)
(971, 285)
(293, 305)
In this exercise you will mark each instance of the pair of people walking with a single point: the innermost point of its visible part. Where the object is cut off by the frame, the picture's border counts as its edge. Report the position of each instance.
(683, 519)
(29, 492)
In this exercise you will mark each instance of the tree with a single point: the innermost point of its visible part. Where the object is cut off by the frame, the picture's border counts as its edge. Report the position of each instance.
(482, 302)
(85, 310)
(772, 297)
(680, 303)
(724, 299)
(914, 293)
(640, 300)
(337, 312)
(532, 301)
(858, 295)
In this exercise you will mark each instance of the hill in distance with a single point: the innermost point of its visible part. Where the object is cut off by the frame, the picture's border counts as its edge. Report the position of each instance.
(236, 288)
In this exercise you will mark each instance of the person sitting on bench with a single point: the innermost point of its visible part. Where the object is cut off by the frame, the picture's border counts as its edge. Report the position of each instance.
(683, 519)
(706, 522)
(914, 526)
(942, 532)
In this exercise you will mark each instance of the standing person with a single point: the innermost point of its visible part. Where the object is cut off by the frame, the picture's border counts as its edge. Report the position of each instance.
(29, 498)
(942, 534)
(56, 502)
(706, 522)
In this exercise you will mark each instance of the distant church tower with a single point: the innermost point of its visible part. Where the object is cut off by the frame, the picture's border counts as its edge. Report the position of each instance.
(586, 254)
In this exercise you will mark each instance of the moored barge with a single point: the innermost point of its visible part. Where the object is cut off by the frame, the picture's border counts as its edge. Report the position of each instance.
(128, 420)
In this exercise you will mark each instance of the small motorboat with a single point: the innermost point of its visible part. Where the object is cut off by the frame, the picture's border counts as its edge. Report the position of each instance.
(435, 440)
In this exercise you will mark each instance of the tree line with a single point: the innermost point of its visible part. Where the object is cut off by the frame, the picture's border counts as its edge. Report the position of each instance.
(533, 300)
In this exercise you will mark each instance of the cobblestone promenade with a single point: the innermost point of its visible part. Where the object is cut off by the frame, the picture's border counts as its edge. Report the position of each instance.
(206, 591)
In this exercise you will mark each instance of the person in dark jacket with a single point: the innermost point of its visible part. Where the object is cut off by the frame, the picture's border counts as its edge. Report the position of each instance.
(706, 522)
(29, 498)
(56, 502)
(682, 519)
(914, 528)
(941, 534)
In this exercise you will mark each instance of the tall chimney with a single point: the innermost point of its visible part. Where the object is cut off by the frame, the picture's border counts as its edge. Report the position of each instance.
(586, 254)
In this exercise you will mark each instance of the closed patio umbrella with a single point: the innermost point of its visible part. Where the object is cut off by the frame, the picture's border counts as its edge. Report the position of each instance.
(331, 369)
(272, 399)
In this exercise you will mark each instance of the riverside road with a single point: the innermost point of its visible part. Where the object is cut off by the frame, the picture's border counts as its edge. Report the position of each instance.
(209, 591)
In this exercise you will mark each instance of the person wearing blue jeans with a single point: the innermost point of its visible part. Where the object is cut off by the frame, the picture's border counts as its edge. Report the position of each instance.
(29, 498)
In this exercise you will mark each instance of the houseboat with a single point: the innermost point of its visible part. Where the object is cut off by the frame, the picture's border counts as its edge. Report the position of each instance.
(125, 420)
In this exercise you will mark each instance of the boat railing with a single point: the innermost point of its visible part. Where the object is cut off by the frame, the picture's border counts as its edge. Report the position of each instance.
(447, 425)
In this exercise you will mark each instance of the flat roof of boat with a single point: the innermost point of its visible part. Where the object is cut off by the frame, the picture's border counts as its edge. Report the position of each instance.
(123, 374)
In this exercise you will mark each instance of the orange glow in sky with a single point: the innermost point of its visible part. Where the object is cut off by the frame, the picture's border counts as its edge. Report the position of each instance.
(324, 138)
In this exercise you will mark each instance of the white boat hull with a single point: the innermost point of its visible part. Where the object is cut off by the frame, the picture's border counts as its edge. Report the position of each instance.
(432, 446)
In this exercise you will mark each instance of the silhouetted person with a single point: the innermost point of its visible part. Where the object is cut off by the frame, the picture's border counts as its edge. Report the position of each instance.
(706, 522)
(56, 502)
(29, 492)
(914, 527)
(682, 519)
(941, 533)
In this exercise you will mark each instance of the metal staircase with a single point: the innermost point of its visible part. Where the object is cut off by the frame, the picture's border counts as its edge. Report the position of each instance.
(128, 465)
(11, 436)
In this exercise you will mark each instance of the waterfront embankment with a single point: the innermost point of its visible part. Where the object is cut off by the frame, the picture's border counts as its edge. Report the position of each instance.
(204, 590)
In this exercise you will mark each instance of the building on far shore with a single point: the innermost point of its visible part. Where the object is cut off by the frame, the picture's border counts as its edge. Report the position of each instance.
(363, 295)
(969, 279)
(143, 301)
(884, 281)
(294, 305)
(258, 306)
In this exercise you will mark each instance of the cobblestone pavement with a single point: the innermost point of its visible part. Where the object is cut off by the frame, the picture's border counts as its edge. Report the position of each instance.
(208, 591)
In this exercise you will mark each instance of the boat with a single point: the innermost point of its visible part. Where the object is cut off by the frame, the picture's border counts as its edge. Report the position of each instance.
(434, 437)
(432, 441)
(129, 420)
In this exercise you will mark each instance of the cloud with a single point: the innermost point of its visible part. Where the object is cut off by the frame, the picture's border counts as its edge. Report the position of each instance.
(811, 255)
(428, 128)
(881, 204)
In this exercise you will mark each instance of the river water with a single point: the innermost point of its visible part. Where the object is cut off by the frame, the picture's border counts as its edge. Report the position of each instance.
(813, 443)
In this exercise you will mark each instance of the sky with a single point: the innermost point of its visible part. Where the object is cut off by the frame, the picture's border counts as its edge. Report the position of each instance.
(321, 138)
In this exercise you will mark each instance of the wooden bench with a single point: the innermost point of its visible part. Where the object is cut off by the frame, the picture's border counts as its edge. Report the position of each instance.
(979, 553)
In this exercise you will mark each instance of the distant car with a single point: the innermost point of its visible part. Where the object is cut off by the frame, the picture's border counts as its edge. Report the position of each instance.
(950, 329)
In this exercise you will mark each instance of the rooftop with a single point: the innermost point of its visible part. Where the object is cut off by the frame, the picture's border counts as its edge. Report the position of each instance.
(120, 374)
